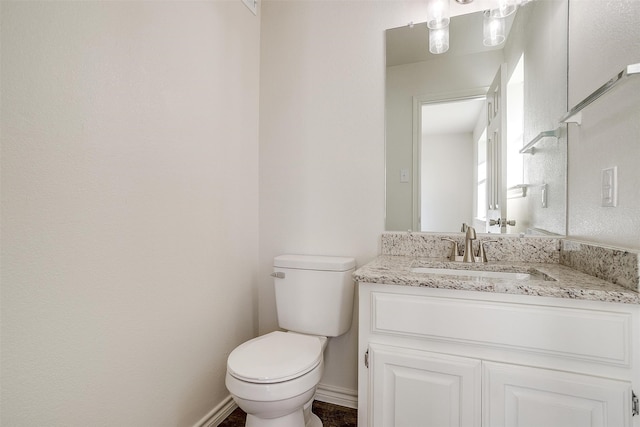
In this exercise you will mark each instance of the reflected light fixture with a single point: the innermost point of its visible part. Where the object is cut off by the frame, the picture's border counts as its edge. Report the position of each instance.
(504, 9)
(437, 14)
(439, 40)
(493, 29)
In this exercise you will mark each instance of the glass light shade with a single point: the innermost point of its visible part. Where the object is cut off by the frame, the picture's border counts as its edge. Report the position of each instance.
(439, 40)
(493, 30)
(437, 14)
(504, 9)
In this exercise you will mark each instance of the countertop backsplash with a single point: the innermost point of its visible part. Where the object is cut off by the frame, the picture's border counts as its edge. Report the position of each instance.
(506, 247)
(615, 265)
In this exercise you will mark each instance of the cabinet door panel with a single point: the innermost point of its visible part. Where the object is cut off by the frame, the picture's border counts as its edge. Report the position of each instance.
(518, 396)
(412, 388)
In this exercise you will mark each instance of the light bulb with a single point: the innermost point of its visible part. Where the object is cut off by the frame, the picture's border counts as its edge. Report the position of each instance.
(437, 14)
(504, 9)
(439, 40)
(493, 30)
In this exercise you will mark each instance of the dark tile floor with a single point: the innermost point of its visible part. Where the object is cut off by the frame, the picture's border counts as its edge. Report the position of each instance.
(331, 416)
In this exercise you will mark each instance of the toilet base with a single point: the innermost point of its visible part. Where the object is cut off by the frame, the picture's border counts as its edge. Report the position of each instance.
(314, 421)
(295, 419)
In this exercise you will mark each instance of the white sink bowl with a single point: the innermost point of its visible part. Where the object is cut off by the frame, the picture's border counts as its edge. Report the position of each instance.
(477, 274)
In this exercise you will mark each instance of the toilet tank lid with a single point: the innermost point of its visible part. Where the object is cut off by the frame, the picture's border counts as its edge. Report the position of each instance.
(315, 262)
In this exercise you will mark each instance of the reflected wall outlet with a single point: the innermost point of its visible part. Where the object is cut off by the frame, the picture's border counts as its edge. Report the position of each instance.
(610, 187)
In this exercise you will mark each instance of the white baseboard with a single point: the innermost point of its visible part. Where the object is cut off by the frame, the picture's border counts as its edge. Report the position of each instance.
(218, 414)
(337, 396)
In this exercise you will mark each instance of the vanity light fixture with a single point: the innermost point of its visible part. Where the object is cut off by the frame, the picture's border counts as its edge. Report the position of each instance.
(493, 29)
(504, 9)
(437, 14)
(438, 23)
(439, 40)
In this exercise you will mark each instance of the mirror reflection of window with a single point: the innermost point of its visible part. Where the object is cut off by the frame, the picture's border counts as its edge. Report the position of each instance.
(481, 177)
(515, 125)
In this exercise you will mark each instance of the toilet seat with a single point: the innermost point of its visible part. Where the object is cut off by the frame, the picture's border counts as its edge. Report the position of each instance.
(275, 357)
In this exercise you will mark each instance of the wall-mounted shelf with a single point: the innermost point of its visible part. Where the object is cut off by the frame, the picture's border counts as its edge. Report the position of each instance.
(517, 191)
(545, 134)
(575, 115)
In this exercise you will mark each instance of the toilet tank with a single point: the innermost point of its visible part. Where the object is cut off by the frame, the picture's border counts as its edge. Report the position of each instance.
(314, 294)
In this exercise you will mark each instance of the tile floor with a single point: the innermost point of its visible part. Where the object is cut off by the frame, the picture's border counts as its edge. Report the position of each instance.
(331, 416)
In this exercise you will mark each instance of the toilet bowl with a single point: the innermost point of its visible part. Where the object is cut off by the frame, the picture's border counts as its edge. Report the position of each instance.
(273, 378)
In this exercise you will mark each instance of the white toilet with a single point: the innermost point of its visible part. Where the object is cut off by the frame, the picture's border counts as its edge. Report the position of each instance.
(273, 378)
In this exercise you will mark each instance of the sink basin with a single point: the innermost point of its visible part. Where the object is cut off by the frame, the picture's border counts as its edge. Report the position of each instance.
(476, 274)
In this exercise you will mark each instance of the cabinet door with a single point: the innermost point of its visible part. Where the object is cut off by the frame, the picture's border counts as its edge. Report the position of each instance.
(518, 396)
(412, 388)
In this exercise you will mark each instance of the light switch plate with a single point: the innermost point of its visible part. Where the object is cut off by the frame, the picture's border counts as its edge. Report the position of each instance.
(610, 187)
(404, 175)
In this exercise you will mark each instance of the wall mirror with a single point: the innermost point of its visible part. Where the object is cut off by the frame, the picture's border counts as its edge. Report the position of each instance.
(446, 164)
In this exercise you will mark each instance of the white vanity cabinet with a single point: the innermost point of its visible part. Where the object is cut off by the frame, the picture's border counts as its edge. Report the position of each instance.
(436, 389)
(436, 358)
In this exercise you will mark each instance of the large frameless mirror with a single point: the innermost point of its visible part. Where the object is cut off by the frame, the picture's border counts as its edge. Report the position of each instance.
(458, 124)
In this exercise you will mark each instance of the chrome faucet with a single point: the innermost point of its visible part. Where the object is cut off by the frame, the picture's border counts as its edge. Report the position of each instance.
(469, 237)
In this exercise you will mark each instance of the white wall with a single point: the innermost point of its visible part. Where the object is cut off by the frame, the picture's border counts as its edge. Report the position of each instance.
(322, 141)
(600, 45)
(446, 181)
(129, 208)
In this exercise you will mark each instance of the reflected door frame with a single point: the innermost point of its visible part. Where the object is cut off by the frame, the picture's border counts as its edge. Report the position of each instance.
(418, 102)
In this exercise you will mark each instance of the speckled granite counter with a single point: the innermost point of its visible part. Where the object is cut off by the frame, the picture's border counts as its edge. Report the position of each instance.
(560, 281)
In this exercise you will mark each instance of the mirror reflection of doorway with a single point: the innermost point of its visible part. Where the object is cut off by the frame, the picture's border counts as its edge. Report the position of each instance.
(448, 135)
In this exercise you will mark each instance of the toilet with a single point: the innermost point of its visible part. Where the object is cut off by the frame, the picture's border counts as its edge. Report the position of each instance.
(273, 378)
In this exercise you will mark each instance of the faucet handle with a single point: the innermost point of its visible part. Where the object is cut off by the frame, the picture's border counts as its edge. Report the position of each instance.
(454, 249)
(482, 253)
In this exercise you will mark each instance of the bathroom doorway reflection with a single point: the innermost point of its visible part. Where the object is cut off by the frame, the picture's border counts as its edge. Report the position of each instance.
(447, 182)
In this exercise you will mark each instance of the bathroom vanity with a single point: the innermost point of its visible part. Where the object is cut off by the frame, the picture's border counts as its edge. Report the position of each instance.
(555, 348)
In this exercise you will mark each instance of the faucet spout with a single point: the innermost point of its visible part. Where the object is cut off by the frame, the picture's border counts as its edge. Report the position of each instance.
(469, 237)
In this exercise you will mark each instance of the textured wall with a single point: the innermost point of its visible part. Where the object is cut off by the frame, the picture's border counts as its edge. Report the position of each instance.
(604, 38)
(129, 208)
(541, 35)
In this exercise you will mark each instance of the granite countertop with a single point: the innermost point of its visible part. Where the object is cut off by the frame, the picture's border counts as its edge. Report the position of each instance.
(555, 280)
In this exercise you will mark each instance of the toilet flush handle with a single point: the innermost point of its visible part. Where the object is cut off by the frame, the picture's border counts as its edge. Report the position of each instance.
(278, 274)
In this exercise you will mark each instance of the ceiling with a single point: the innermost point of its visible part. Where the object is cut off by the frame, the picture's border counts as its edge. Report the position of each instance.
(451, 117)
